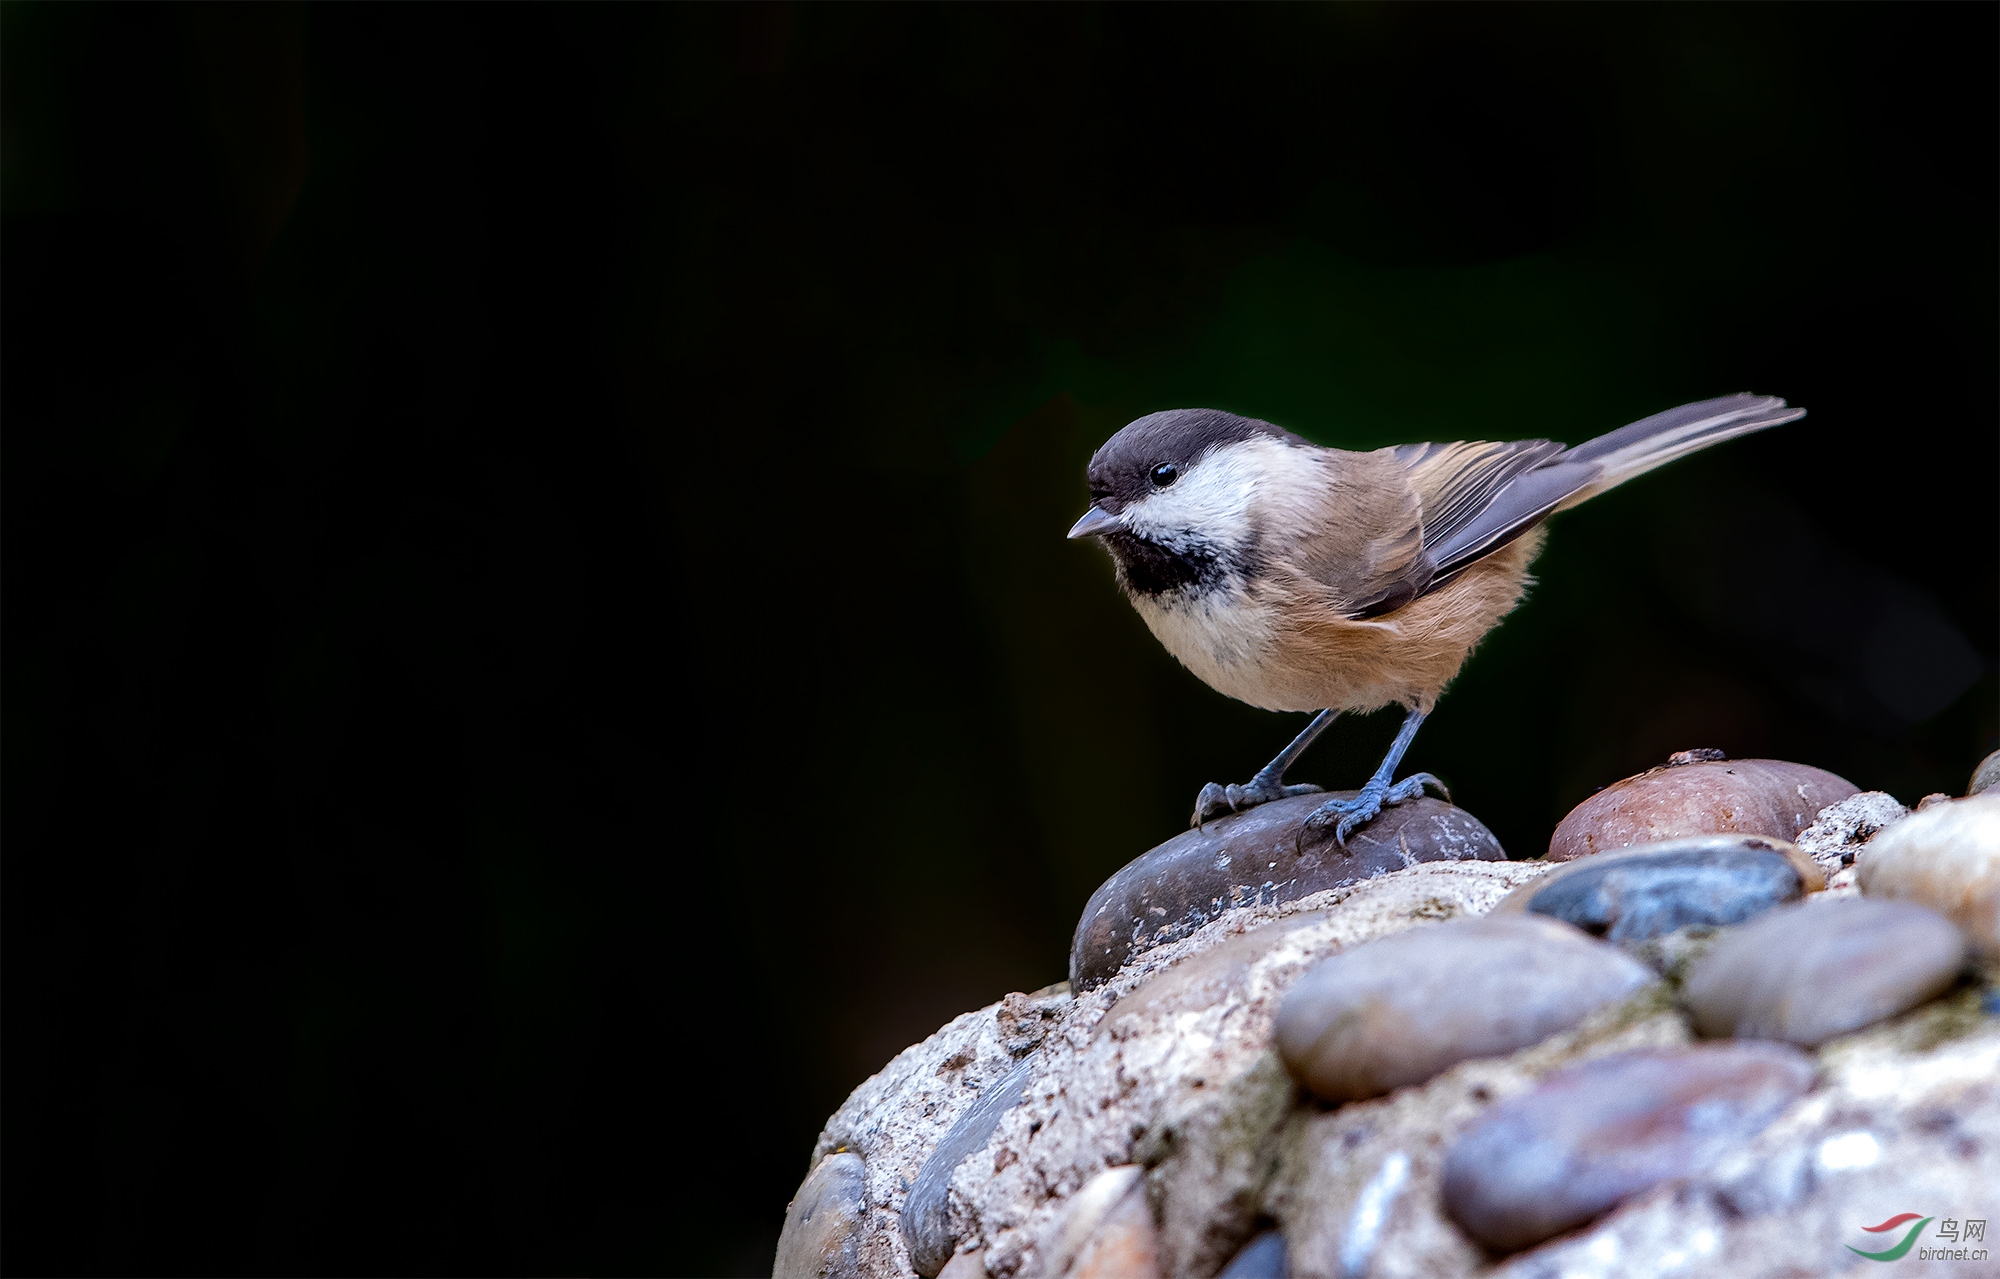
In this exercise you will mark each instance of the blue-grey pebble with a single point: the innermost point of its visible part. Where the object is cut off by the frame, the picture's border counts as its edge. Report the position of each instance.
(1586, 1138)
(1808, 972)
(1262, 1258)
(1660, 888)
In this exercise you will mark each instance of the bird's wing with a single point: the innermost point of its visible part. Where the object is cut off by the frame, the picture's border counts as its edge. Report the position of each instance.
(1478, 497)
(1366, 539)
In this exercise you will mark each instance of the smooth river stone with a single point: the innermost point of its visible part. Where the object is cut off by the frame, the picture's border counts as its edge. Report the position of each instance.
(821, 1238)
(1809, 972)
(1253, 857)
(1946, 857)
(1651, 890)
(926, 1223)
(1403, 1008)
(1586, 1138)
(1702, 797)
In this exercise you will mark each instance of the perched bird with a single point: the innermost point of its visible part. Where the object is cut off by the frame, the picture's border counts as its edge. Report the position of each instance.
(1301, 578)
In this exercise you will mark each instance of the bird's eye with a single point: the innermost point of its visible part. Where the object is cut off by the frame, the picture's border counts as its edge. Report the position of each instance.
(1164, 474)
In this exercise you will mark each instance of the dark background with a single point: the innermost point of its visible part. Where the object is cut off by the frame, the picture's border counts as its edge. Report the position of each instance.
(539, 647)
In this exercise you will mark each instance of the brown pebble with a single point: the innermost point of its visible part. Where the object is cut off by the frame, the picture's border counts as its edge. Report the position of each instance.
(1809, 972)
(1400, 1009)
(1703, 797)
(1253, 858)
(1107, 1232)
(1590, 1136)
(965, 1265)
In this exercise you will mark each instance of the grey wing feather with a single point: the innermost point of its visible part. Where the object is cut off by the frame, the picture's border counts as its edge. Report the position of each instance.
(1485, 498)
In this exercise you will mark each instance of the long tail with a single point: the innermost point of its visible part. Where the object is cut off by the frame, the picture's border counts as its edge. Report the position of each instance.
(1657, 440)
(1562, 480)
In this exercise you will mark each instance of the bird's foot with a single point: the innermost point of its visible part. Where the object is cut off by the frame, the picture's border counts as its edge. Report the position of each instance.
(1219, 801)
(1349, 815)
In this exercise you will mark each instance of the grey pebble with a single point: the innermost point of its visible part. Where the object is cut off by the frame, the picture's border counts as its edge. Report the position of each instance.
(1588, 1137)
(926, 1223)
(1251, 858)
(1403, 1008)
(1985, 775)
(1808, 972)
(1655, 889)
(821, 1236)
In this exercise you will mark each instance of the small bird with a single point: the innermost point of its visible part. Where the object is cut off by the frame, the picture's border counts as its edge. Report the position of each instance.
(1301, 578)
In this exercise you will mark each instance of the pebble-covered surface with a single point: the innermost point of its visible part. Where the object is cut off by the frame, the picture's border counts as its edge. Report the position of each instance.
(1809, 972)
(1702, 797)
(1647, 891)
(1399, 1010)
(1588, 1137)
(1257, 858)
(1170, 1070)
(1107, 1230)
(1946, 857)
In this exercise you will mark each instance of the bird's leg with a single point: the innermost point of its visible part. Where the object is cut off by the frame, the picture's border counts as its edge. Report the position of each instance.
(1267, 785)
(1349, 815)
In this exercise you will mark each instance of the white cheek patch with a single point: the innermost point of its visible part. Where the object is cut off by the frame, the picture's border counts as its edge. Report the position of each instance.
(1211, 502)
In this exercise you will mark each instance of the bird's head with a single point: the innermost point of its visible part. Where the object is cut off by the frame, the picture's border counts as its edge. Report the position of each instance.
(1173, 497)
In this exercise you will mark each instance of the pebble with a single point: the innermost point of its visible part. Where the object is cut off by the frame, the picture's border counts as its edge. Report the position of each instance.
(1107, 1233)
(821, 1236)
(1650, 890)
(1946, 857)
(1402, 1008)
(1586, 1138)
(1702, 796)
(1985, 775)
(1808, 972)
(1262, 1258)
(1254, 857)
(926, 1222)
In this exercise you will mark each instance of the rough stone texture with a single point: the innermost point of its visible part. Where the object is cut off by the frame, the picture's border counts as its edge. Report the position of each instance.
(822, 1234)
(1985, 775)
(1649, 890)
(1187, 1085)
(1905, 1115)
(1195, 1093)
(1947, 858)
(1841, 830)
(896, 1118)
(926, 1227)
(1705, 797)
(1106, 1231)
(1254, 858)
(1593, 1135)
(1399, 1010)
(1806, 973)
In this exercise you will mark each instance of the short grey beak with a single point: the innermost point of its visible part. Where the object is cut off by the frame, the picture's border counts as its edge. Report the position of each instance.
(1095, 520)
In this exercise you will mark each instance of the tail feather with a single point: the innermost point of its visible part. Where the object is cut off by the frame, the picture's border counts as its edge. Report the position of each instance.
(1579, 474)
(1655, 441)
